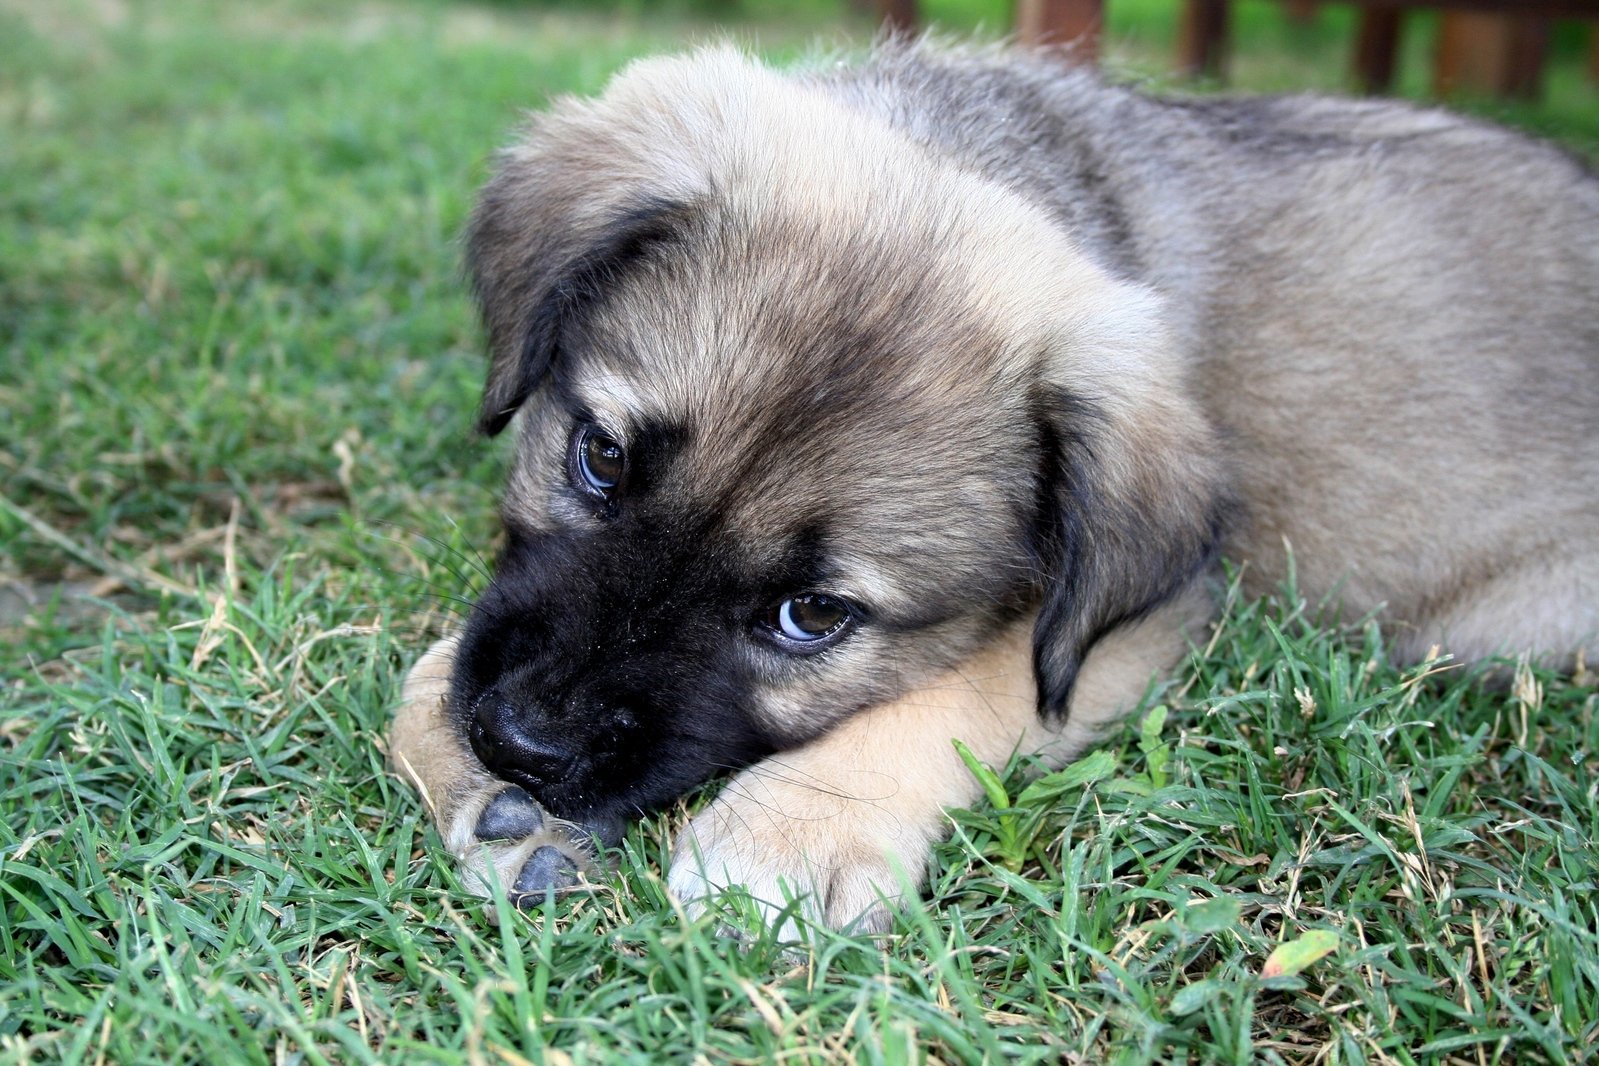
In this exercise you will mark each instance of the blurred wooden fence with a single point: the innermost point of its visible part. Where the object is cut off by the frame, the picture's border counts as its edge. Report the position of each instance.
(1497, 46)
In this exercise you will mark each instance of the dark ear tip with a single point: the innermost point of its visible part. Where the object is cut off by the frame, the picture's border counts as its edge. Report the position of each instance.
(1054, 700)
(490, 423)
(1055, 673)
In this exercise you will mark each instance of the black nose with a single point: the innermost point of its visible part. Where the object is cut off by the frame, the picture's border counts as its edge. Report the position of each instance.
(518, 740)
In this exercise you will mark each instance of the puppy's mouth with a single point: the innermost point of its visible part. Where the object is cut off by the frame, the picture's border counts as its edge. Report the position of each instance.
(571, 803)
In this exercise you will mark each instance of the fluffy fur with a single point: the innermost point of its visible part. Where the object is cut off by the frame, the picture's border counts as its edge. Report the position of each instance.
(1008, 359)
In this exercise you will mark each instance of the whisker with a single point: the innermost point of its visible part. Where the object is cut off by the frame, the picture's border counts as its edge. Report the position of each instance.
(475, 561)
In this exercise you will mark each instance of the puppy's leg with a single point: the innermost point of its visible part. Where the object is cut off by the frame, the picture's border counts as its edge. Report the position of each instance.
(486, 824)
(848, 818)
(1547, 608)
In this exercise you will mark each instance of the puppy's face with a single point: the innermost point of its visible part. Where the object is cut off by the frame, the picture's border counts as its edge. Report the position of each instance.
(750, 498)
(804, 414)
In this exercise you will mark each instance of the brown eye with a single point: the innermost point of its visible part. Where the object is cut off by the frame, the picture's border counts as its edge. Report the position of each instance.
(600, 461)
(809, 618)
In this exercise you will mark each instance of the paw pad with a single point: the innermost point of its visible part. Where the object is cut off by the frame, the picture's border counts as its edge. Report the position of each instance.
(547, 869)
(509, 816)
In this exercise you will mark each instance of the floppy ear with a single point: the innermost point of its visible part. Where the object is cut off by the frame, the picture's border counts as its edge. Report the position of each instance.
(1132, 500)
(538, 255)
(591, 187)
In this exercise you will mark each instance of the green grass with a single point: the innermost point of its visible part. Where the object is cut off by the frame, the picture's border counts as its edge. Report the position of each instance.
(238, 490)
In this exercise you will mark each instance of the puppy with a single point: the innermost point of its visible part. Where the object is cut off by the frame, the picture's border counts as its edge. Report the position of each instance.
(864, 408)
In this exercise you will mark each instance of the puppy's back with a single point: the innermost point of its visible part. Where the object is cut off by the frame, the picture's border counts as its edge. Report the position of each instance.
(1390, 312)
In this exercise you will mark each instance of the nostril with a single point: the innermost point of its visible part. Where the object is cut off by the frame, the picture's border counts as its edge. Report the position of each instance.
(507, 737)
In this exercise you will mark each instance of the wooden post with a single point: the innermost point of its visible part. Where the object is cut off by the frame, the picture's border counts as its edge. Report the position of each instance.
(898, 16)
(1053, 23)
(1202, 43)
(1529, 51)
(1376, 49)
(1491, 54)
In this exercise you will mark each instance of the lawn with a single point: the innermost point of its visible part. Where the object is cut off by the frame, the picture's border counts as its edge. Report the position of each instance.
(239, 490)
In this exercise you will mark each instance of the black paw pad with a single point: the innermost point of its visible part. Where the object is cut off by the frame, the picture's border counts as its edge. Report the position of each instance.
(509, 816)
(548, 868)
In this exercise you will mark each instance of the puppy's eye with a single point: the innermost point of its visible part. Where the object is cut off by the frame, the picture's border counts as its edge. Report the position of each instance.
(599, 461)
(809, 620)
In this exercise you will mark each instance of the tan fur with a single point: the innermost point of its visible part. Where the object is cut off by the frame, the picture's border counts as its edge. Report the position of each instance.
(845, 822)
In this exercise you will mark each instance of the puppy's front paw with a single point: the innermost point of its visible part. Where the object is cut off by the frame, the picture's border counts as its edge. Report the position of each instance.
(496, 831)
(512, 841)
(844, 848)
(846, 823)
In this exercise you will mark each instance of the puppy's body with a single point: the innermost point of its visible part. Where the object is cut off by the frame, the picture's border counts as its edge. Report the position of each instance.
(1389, 316)
(975, 346)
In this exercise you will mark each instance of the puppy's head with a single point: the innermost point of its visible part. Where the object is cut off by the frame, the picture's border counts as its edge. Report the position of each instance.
(804, 413)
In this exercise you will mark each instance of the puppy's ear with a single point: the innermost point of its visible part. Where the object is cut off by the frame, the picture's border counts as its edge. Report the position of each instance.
(538, 253)
(591, 187)
(1132, 501)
